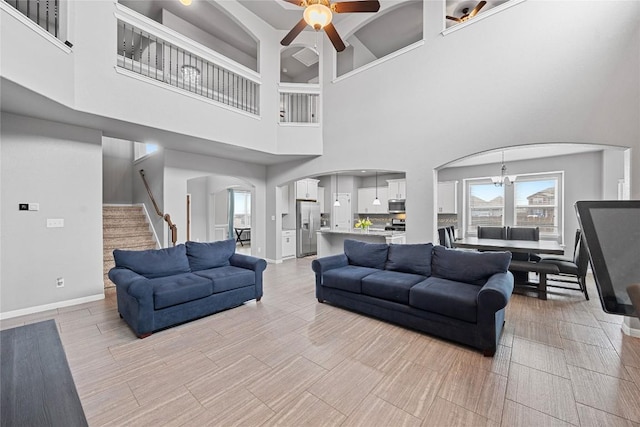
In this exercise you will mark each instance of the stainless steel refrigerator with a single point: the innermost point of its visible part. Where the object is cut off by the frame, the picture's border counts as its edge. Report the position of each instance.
(308, 224)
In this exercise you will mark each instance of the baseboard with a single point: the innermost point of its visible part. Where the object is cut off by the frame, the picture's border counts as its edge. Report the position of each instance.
(52, 306)
(628, 330)
(273, 261)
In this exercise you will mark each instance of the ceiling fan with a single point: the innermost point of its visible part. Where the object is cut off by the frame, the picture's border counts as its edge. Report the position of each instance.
(468, 15)
(318, 14)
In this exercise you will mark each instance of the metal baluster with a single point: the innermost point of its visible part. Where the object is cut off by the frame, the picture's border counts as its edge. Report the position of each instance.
(28, 8)
(47, 11)
(149, 55)
(56, 11)
(38, 12)
(140, 50)
(170, 58)
(155, 54)
(132, 47)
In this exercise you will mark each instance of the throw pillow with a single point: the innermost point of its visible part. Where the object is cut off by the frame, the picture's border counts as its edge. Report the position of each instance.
(373, 255)
(467, 266)
(203, 256)
(412, 258)
(154, 263)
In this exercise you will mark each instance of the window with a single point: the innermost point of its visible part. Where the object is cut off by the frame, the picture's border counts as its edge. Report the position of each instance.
(534, 200)
(141, 149)
(242, 209)
(485, 205)
(536, 204)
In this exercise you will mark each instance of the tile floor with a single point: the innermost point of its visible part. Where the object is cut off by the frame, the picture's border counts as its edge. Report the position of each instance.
(289, 360)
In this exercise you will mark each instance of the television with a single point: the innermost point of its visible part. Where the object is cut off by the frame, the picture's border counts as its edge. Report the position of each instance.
(611, 233)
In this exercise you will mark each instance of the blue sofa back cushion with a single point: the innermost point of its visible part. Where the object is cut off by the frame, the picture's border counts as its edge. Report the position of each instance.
(203, 256)
(412, 258)
(154, 263)
(466, 266)
(373, 255)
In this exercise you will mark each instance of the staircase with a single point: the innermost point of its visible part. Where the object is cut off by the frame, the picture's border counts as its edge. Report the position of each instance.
(123, 227)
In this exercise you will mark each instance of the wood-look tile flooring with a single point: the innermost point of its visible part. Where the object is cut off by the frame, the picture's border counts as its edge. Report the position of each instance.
(291, 361)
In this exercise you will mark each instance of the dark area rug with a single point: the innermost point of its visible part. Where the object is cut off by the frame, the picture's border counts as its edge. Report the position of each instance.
(37, 388)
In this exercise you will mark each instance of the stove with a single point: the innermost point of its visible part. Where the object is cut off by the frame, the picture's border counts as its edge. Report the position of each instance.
(396, 225)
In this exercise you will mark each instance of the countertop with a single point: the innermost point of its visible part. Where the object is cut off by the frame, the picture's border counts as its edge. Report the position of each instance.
(357, 231)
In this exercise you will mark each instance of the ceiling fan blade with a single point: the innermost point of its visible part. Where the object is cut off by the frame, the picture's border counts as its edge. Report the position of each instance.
(296, 2)
(286, 41)
(356, 6)
(453, 18)
(334, 37)
(476, 9)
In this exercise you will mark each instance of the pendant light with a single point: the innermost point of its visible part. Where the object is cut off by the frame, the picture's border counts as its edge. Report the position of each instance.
(376, 201)
(337, 202)
(503, 179)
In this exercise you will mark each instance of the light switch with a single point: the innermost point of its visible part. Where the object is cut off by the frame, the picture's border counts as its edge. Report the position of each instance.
(55, 222)
(34, 206)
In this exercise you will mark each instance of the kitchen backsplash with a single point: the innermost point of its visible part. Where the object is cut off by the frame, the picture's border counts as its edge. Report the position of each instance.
(379, 220)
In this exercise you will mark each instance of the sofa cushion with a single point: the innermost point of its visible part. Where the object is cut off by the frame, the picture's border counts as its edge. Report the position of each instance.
(467, 266)
(363, 254)
(390, 285)
(412, 258)
(154, 263)
(347, 278)
(446, 297)
(178, 289)
(229, 277)
(203, 256)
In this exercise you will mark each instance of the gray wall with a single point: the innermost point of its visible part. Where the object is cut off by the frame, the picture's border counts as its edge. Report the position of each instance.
(153, 166)
(117, 171)
(60, 167)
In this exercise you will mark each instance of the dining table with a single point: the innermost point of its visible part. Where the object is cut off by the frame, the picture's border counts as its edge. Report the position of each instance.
(520, 269)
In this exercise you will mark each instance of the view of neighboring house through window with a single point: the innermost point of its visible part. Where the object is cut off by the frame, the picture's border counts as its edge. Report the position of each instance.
(534, 200)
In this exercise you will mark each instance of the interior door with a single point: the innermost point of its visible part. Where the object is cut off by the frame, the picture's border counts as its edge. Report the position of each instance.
(341, 215)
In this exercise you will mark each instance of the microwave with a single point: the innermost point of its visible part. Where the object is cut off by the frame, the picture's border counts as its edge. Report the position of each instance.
(396, 205)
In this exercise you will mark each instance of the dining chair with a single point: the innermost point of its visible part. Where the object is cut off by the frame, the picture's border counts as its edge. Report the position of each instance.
(492, 232)
(443, 235)
(524, 233)
(452, 234)
(571, 270)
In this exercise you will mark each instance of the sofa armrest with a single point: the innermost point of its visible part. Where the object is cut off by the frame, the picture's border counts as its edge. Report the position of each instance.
(323, 264)
(131, 282)
(495, 294)
(249, 262)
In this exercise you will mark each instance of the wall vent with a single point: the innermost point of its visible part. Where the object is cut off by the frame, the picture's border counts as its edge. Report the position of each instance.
(307, 56)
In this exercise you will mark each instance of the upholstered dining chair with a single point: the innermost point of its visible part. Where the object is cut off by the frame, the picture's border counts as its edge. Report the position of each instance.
(524, 233)
(571, 270)
(492, 232)
(443, 235)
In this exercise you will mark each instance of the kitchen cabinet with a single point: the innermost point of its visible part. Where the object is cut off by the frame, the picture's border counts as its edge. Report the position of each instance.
(285, 199)
(321, 199)
(307, 189)
(448, 197)
(288, 243)
(366, 195)
(397, 189)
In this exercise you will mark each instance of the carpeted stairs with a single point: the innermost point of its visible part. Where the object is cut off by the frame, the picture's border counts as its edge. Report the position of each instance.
(123, 227)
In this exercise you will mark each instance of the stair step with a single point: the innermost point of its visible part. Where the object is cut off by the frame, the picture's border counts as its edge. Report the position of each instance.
(126, 232)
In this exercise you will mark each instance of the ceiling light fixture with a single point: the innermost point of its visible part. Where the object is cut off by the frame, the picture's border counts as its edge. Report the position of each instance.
(318, 15)
(337, 202)
(503, 179)
(376, 201)
(186, 2)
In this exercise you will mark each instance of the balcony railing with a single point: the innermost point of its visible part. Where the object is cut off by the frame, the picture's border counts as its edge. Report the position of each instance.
(152, 56)
(45, 13)
(299, 104)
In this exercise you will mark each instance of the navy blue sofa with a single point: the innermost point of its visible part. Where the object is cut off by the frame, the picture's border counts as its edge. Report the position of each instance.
(159, 288)
(453, 294)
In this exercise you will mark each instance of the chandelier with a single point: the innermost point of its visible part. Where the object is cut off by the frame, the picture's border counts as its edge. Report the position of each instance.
(190, 75)
(503, 179)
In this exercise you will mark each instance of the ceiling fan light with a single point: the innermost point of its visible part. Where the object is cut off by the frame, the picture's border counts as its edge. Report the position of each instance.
(186, 2)
(317, 16)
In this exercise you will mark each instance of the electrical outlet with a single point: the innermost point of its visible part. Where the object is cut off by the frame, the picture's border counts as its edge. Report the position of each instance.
(55, 222)
(60, 282)
(34, 206)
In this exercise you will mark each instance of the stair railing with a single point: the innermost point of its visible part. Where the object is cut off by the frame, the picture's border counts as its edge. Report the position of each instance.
(172, 227)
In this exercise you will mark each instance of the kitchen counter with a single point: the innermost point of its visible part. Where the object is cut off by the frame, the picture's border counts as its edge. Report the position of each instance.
(331, 242)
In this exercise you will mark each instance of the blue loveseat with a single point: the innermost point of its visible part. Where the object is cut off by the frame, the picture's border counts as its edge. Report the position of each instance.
(458, 295)
(159, 288)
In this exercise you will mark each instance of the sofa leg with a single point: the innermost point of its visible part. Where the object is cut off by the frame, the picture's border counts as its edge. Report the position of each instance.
(320, 300)
(142, 336)
(488, 352)
(258, 299)
(121, 316)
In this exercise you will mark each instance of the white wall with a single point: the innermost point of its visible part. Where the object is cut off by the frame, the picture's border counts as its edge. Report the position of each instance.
(60, 167)
(117, 171)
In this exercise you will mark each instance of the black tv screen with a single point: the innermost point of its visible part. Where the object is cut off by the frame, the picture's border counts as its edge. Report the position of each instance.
(611, 231)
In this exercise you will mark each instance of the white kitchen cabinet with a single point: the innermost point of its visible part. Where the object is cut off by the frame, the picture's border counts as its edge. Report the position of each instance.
(366, 195)
(397, 189)
(307, 189)
(321, 199)
(288, 243)
(285, 199)
(448, 197)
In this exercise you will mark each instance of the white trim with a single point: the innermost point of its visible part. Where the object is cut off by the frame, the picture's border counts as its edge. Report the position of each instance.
(52, 306)
(34, 27)
(299, 125)
(141, 22)
(273, 261)
(632, 332)
(153, 229)
(299, 88)
(477, 18)
(378, 61)
(167, 86)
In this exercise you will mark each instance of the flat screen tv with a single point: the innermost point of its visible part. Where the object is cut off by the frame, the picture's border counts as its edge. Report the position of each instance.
(611, 231)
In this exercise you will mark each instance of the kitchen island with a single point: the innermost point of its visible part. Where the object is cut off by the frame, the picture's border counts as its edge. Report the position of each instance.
(331, 242)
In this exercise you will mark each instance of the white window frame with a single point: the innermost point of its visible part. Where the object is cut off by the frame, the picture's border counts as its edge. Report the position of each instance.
(558, 177)
(467, 198)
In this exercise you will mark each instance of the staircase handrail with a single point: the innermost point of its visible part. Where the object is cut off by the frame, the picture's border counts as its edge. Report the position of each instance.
(165, 216)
